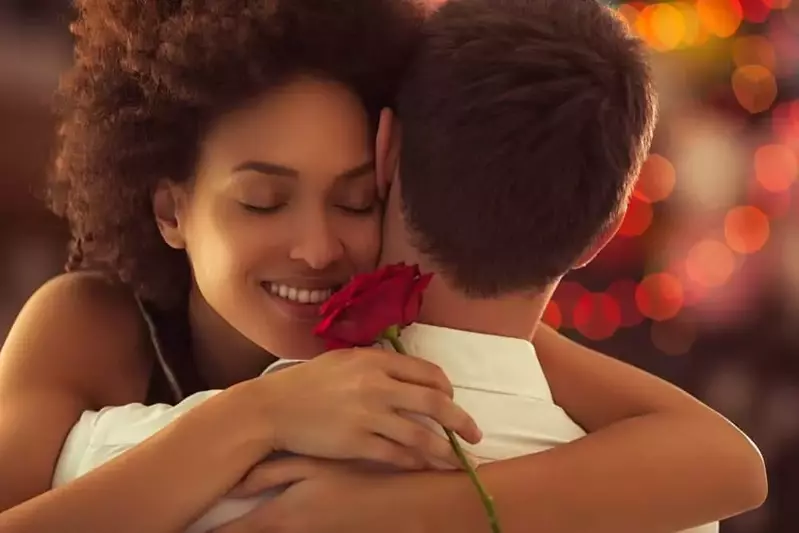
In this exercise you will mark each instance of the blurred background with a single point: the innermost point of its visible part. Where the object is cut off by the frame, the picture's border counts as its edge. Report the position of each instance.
(701, 287)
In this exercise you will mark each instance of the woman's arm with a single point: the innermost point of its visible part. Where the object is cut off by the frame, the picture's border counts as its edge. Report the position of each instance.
(75, 347)
(655, 460)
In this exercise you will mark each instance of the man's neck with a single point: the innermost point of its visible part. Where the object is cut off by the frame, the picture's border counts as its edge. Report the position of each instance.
(514, 316)
(445, 306)
(510, 316)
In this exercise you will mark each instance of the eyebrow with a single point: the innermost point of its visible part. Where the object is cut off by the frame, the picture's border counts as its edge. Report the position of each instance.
(272, 169)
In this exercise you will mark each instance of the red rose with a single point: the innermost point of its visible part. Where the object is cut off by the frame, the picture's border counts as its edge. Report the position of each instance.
(362, 310)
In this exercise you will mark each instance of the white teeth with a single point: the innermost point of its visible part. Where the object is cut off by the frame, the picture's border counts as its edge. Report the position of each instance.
(304, 296)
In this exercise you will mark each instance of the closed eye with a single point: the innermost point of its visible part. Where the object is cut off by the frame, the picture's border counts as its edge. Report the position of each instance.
(262, 210)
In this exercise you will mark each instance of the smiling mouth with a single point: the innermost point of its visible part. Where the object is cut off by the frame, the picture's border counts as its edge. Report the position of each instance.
(298, 294)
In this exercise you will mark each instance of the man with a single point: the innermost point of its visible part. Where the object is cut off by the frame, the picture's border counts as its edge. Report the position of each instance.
(524, 125)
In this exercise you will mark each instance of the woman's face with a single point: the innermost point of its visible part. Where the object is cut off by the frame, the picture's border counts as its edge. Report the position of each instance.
(283, 210)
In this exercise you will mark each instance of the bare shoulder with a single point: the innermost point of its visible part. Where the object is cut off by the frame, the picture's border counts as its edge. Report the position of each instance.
(75, 346)
(83, 331)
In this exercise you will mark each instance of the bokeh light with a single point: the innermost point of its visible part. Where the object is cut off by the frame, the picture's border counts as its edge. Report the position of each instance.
(637, 219)
(776, 167)
(552, 315)
(660, 296)
(720, 17)
(667, 26)
(754, 50)
(710, 263)
(597, 316)
(657, 179)
(755, 88)
(746, 229)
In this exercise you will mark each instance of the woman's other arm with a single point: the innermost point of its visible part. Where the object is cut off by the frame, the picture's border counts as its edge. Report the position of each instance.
(655, 460)
(77, 345)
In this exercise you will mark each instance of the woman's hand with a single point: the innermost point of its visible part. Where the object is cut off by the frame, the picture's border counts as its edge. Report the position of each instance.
(336, 497)
(355, 404)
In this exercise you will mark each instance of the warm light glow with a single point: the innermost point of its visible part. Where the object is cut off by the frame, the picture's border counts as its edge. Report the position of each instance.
(710, 263)
(754, 50)
(629, 14)
(695, 32)
(755, 88)
(597, 316)
(637, 219)
(746, 229)
(552, 315)
(660, 296)
(667, 27)
(656, 180)
(776, 167)
(721, 17)
(756, 10)
(567, 295)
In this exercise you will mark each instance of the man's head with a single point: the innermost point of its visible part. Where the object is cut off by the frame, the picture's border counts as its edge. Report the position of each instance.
(524, 125)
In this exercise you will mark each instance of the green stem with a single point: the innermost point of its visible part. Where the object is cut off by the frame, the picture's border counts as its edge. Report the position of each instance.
(392, 336)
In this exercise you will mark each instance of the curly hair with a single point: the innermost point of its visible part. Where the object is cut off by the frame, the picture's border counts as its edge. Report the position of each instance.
(149, 79)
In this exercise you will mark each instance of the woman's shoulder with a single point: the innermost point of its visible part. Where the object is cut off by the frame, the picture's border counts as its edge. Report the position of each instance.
(86, 329)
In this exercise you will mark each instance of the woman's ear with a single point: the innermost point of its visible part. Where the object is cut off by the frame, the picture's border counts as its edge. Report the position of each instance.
(387, 151)
(168, 204)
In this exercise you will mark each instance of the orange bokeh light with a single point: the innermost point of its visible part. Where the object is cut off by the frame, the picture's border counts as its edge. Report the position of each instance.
(657, 179)
(746, 229)
(755, 88)
(597, 316)
(754, 50)
(776, 167)
(660, 296)
(637, 219)
(722, 18)
(710, 263)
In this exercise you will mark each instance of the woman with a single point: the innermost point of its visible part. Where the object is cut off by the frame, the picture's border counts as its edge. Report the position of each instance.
(248, 127)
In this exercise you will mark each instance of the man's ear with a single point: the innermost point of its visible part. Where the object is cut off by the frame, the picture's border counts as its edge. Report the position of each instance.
(601, 241)
(168, 204)
(387, 151)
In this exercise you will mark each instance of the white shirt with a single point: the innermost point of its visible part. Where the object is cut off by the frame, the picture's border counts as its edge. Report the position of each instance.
(497, 380)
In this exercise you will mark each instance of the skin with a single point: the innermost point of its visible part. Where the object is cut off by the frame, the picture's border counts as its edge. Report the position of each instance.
(319, 231)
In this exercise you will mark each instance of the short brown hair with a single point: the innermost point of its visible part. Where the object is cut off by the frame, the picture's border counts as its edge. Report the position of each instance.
(525, 123)
(151, 76)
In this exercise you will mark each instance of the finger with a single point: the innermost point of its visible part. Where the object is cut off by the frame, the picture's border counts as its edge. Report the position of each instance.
(381, 450)
(414, 434)
(417, 371)
(437, 406)
(277, 473)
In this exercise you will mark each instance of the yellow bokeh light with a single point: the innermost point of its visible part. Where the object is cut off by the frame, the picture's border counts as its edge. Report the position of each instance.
(695, 33)
(746, 229)
(755, 88)
(710, 263)
(667, 25)
(754, 50)
(721, 17)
